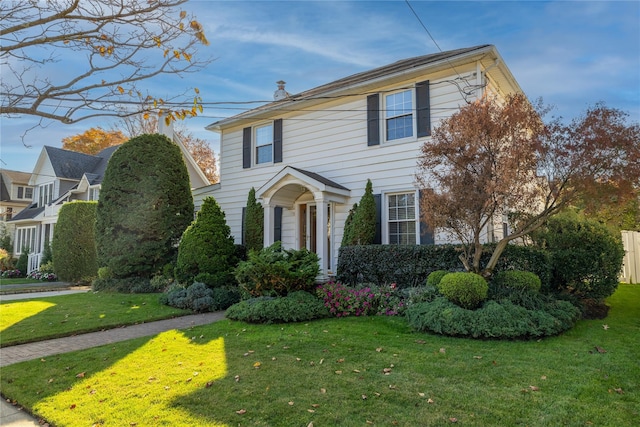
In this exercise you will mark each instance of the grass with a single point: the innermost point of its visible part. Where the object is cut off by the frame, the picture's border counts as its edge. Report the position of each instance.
(36, 319)
(347, 372)
(21, 281)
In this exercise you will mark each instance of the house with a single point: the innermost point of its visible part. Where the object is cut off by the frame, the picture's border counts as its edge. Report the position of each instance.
(309, 155)
(15, 195)
(61, 176)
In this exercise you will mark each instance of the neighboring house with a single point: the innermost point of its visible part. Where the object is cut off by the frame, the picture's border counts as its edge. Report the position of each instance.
(309, 155)
(61, 176)
(15, 195)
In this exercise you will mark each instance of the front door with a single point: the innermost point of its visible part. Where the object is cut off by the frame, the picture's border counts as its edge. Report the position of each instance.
(308, 230)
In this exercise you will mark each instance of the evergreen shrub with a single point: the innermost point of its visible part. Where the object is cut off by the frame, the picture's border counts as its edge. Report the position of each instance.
(253, 223)
(360, 229)
(468, 290)
(74, 242)
(207, 251)
(434, 278)
(23, 262)
(517, 279)
(586, 257)
(145, 205)
(274, 271)
(495, 319)
(298, 306)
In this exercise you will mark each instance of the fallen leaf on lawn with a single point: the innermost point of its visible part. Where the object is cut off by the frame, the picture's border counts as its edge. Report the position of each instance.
(273, 358)
(421, 342)
(393, 386)
(453, 420)
(387, 371)
(379, 349)
(250, 351)
(72, 406)
(323, 390)
(315, 405)
(50, 380)
(534, 388)
(291, 403)
(340, 360)
(618, 390)
(339, 372)
(298, 359)
(188, 380)
(209, 384)
(241, 412)
(364, 397)
(257, 365)
(321, 361)
(311, 411)
(167, 387)
(151, 379)
(42, 360)
(421, 394)
(429, 400)
(369, 422)
(286, 347)
(357, 371)
(132, 424)
(237, 378)
(310, 424)
(544, 377)
(443, 351)
(600, 350)
(477, 357)
(605, 327)
(80, 375)
(377, 394)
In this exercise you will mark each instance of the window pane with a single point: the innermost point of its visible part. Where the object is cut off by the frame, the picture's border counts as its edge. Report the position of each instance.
(264, 154)
(28, 193)
(264, 135)
(402, 224)
(399, 127)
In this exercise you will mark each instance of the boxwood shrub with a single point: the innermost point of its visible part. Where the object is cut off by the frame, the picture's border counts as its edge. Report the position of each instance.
(297, 306)
(434, 278)
(517, 279)
(468, 290)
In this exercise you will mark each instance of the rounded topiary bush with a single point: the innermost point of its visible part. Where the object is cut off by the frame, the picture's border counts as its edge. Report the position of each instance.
(467, 290)
(517, 279)
(434, 278)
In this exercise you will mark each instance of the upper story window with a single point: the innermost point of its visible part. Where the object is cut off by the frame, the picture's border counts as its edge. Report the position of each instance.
(45, 194)
(264, 144)
(406, 115)
(399, 115)
(402, 216)
(25, 193)
(94, 193)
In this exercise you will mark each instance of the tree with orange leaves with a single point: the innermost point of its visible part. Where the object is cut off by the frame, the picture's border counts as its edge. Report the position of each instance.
(93, 140)
(492, 159)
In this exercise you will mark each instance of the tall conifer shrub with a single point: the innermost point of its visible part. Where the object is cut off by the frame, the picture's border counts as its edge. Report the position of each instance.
(253, 223)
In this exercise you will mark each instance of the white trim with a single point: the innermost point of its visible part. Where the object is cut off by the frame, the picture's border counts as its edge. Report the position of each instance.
(383, 117)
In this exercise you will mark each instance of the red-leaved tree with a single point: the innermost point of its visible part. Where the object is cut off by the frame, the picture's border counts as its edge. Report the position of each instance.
(500, 158)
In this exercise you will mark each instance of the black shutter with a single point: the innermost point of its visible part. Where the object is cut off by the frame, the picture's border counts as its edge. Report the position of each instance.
(423, 108)
(377, 239)
(243, 228)
(277, 224)
(426, 233)
(246, 148)
(277, 141)
(373, 119)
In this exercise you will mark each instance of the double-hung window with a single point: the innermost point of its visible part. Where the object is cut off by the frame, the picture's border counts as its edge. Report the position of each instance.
(401, 217)
(45, 194)
(403, 115)
(399, 115)
(264, 144)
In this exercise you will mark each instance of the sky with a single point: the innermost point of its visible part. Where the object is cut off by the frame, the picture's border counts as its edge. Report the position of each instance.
(572, 54)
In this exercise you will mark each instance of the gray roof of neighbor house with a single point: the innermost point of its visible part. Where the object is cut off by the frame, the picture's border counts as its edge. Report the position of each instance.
(363, 77)
(16, 177)
(29, 212)
(70, 164)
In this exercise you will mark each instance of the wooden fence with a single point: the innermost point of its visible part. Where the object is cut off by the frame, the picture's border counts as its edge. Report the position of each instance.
(631, 264)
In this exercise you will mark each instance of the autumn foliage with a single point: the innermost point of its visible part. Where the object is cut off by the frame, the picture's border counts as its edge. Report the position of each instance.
(493, 160)
(93, 140)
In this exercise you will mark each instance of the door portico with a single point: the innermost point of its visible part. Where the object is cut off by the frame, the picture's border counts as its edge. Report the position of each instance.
(311, 197)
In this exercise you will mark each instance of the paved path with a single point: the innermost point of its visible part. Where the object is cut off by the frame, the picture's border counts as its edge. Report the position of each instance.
(12, 416)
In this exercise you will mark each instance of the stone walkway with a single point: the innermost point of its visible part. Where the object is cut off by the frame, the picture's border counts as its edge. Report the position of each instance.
(13, 416)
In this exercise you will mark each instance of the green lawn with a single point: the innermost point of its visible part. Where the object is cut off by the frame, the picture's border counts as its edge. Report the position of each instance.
(37, 319)
(22, 281)
(347, 372)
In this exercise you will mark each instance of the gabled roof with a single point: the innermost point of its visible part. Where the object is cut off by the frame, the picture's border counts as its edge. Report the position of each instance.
(16, 177)
(403, 67)
(69, 164)
(30, 212)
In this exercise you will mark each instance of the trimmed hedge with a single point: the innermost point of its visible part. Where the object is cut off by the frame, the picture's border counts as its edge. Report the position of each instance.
(74, 242)
(410, 265)
(495, 319)
(298, 306)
